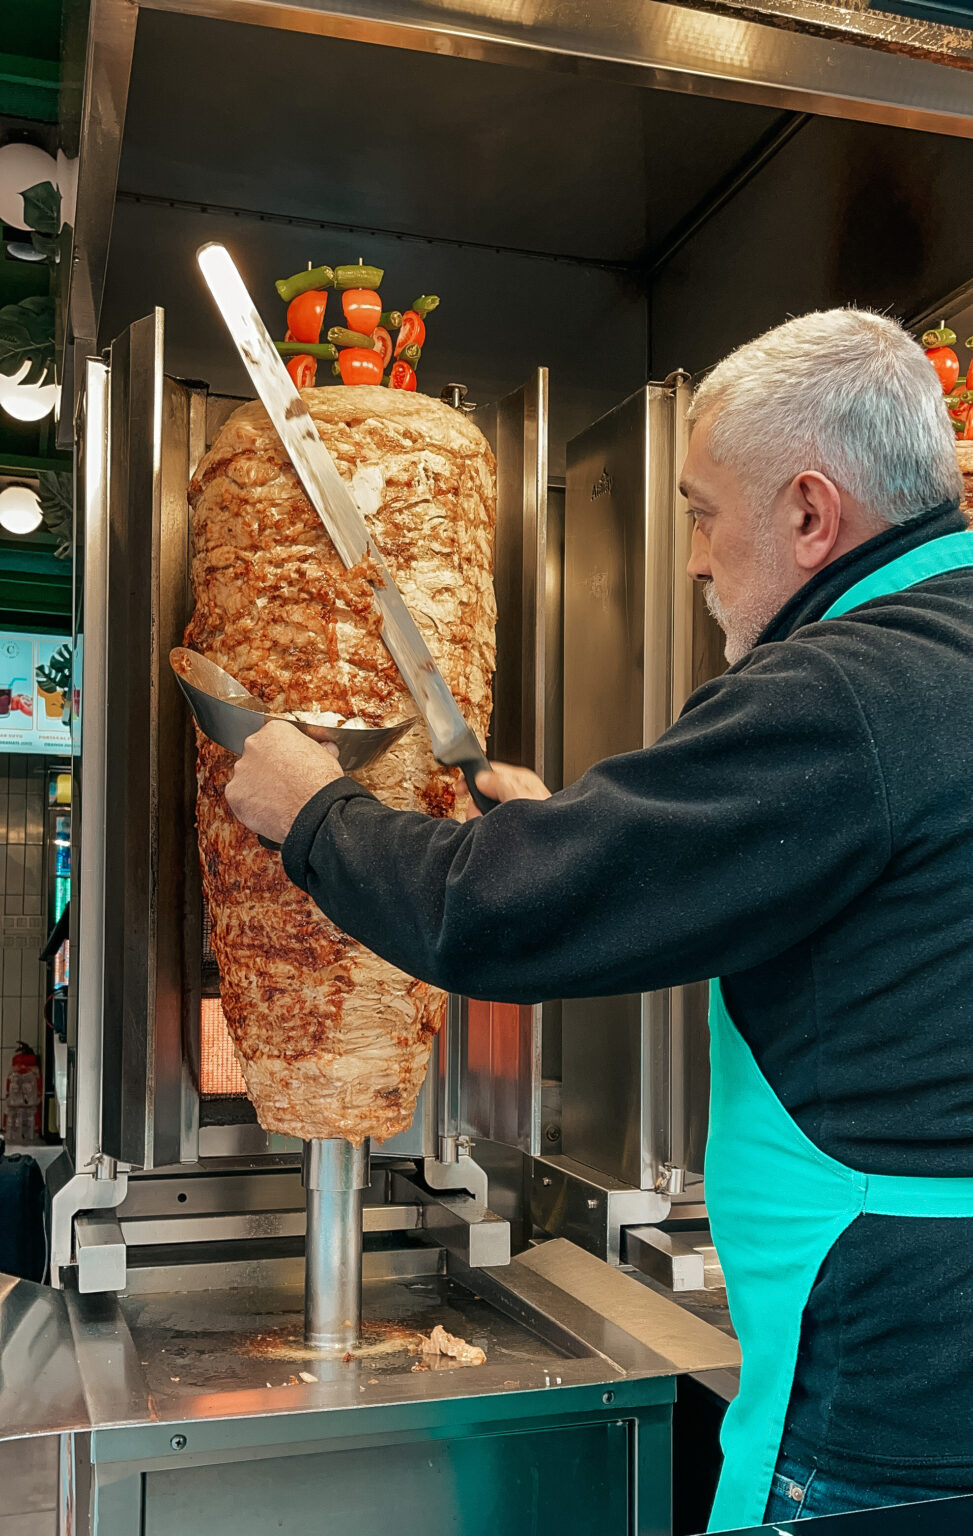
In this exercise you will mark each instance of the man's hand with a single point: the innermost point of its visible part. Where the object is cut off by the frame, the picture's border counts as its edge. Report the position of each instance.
(280, 771)
(505, 782)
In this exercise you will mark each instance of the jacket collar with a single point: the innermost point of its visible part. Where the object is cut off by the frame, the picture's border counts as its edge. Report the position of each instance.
(813, 600)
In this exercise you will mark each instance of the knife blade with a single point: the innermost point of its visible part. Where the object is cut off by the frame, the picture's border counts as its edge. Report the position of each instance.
(453, 743)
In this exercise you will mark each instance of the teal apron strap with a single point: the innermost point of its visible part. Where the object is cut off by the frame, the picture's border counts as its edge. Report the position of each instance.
(953, 552)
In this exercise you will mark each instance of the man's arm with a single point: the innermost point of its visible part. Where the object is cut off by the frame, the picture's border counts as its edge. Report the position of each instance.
(756, 818)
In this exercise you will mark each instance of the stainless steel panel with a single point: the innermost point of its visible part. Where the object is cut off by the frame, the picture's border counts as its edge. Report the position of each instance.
(529, 1481)
(150, 1232)
(501, 1042)
(638, 641)
(98, 39)
(40, 1386)
(145, 863)
(690, 1343)
(618, 642)
(803, 232)
(89, 822)
(185, 1274)
(697, 656)
(690, 50)
(250, 118)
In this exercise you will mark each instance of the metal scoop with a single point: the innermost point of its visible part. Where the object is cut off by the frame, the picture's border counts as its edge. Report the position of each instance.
(228, 714)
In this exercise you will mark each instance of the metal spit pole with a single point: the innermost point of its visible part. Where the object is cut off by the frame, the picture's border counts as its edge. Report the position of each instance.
(334, 1175)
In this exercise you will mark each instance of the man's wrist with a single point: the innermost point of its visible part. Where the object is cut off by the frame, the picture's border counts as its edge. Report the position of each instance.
(299, 842)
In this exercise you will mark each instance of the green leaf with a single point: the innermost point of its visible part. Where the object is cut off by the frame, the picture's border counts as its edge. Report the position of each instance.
(42, 208)
(48, 246)
(27, 336)
(57, 504)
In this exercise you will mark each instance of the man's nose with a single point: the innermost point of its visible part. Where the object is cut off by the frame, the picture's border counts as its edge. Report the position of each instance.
(698, 568)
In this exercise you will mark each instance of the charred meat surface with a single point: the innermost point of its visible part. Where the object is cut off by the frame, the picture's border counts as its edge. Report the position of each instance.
(332, 1040)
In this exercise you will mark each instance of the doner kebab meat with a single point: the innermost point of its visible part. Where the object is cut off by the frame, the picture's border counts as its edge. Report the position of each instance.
(333, 1041)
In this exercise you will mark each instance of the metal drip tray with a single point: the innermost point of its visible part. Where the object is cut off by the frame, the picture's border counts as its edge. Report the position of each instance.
(243, 1350)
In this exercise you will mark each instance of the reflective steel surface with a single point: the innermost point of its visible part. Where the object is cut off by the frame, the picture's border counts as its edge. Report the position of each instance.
(334, 1176)
(676, 48)
(41, 1391)
(553, 1317)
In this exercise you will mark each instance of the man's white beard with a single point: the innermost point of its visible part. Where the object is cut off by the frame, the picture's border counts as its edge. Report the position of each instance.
(753, 609)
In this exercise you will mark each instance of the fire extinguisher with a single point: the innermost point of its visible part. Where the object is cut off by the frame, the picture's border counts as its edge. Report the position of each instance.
(23, 1098)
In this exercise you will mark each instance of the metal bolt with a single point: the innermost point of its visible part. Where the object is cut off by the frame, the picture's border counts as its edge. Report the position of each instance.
(178, 1442)
(592, 1204)
(547, 1181)
(608, 1397)
(553, 1133)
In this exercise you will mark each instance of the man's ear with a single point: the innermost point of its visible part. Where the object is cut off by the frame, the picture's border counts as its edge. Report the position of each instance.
(814, 503)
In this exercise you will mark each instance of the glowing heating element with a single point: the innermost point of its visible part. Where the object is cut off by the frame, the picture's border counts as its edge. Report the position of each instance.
(219, 1070)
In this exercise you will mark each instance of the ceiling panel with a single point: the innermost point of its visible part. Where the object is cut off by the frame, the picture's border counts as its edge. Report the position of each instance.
(446, 148)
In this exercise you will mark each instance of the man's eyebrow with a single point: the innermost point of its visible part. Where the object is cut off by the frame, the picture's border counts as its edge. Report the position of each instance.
(689, 491)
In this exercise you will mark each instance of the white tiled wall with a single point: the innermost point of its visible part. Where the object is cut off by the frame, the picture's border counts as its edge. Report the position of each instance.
(23, 793)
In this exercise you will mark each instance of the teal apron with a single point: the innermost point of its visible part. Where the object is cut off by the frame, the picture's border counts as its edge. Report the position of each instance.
(777, 1203)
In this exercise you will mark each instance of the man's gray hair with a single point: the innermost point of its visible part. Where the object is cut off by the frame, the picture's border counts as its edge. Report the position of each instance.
(842, 391)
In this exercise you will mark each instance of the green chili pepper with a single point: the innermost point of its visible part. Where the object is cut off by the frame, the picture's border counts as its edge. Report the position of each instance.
(311, 348)
(303, 282)
(342, 337)
(358, 276)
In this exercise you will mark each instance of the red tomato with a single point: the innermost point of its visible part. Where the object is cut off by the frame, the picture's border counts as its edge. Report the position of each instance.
(383, 344)
(969, 376)
(946, 364)
(403, 376)
(360, 365)
(305, 315)
(303, 370)
(967, 433)
(412, 329)
(363, 309)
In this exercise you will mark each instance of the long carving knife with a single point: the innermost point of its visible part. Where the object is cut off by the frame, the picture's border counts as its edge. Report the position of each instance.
(453, 743)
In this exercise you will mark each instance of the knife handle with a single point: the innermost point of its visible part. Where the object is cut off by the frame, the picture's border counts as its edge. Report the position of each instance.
(469, 770)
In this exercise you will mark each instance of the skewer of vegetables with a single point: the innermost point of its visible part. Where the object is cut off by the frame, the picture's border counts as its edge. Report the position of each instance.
(939, 344)
(362, 351)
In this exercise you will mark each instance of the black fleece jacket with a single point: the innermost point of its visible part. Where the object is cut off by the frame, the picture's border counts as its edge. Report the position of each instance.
(804, 831)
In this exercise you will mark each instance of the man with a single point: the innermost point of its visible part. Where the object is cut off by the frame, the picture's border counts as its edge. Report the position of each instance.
(803, 832)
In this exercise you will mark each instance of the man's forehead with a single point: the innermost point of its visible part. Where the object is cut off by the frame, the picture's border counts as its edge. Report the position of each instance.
(697, 467)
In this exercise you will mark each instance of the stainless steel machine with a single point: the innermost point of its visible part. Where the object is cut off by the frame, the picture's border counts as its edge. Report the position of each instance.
(203, 1268)
(546, 1202)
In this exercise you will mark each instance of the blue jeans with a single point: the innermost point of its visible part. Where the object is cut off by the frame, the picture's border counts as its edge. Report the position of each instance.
(799, 1493)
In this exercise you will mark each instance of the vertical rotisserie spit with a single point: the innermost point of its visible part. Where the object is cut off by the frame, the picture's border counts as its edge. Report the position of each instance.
(334, 1042)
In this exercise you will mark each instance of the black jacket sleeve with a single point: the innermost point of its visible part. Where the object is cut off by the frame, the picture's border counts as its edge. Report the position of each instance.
(753, 820)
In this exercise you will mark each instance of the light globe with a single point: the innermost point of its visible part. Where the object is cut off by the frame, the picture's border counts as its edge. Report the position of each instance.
(20, 509)
(22, 166)
(26, 402)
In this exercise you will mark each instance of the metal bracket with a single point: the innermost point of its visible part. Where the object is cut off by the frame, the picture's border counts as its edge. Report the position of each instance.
(460, 1223)
(72, 1193)
(101, 1252)
(590, 1208)
(462, 1172)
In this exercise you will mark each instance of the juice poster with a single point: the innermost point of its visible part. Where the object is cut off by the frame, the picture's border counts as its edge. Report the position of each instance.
(36, 694)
